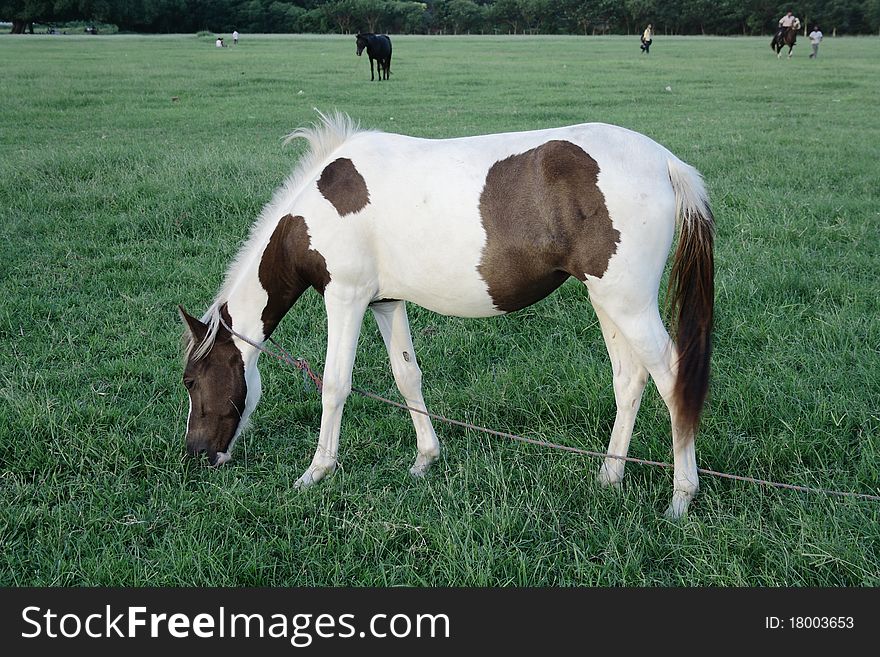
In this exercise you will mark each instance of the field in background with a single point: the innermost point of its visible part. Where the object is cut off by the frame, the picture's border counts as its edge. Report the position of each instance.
(131, 170)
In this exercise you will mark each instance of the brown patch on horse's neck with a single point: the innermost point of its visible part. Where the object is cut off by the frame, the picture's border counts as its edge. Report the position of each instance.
(545, 220)
(343, 185)
(288, 267)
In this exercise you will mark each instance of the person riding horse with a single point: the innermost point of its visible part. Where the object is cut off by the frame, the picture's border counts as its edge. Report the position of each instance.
(789, 21)
(786, 34)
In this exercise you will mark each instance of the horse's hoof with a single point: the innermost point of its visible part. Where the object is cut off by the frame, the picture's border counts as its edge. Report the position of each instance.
(314, 474)
(423, 463)
(610, 476)
(679, 505)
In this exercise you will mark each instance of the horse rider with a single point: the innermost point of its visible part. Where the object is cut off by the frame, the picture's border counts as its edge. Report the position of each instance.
(789, 20)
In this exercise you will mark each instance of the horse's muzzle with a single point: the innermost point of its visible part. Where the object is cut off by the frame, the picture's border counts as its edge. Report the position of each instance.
(197, 450)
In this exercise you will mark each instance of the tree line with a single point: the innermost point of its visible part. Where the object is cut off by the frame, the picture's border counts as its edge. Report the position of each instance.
(720, 17)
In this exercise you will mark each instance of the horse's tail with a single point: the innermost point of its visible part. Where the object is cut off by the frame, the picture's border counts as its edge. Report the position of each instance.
(691, 293)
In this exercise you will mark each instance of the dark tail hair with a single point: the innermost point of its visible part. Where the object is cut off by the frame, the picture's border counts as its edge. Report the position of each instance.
(691, 294)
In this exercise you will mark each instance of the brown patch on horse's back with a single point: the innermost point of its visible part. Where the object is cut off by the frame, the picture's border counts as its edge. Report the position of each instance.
(288, 267)
(343, 185)
(545, 220)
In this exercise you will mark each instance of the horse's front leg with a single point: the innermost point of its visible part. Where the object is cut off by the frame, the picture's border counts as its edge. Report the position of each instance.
(345, 313)
(394, 326)
(372, 78)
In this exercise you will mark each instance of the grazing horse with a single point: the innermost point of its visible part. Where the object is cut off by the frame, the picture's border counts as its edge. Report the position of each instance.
(470, 227)
(379, 48)
(785, 36)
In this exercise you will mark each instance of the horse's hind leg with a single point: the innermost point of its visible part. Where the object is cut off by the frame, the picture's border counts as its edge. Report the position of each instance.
(630, 378)
(394, 326)
(651, 347)
(344, 317)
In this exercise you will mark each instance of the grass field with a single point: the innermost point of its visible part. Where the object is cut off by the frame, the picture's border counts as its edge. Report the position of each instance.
(133, 167)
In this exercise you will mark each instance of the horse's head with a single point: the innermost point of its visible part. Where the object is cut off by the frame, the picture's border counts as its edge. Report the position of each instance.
(222, 390)
(361, 43)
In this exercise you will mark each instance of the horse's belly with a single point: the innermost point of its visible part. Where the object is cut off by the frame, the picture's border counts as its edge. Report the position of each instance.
(437, 272)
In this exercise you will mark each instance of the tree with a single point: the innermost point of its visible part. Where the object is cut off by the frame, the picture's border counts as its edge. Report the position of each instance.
(459, 16)
(506, 12)
(872, 15)
(512, 16)
(341, 13)
(285, 17)
(576, 15)
(536, 14)
(637, 13)
(370, 13)
(24, 13)
(409, 17)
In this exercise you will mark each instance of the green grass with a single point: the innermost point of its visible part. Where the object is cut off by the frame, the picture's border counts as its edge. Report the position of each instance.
(119, 202)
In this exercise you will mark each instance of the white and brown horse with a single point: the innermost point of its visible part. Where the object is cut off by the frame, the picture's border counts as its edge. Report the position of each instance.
(472, 227)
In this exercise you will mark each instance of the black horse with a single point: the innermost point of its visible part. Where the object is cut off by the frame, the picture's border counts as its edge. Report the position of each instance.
(785, 36)
(379, 48)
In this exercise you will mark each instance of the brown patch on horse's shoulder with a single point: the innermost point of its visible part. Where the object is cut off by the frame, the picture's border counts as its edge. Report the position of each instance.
(343, 185)
(545, 220)
(288, 267)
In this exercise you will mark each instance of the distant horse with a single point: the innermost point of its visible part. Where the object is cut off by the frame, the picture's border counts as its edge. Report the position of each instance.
(379, 48)
(470, 227)
(785, 36)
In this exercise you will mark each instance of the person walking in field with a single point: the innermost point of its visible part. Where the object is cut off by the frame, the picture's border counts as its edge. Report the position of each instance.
(235, 37)
(647, 38)
(815, 40)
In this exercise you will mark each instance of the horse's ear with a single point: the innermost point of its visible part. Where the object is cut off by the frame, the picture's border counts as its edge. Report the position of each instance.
(197, 329)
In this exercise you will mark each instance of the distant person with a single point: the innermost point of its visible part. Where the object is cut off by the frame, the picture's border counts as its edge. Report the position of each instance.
(815, 40)
(647, 38)
(219, 42)
(235, 37)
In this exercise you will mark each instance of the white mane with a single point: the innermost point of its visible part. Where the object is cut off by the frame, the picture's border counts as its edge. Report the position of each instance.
(324, 136)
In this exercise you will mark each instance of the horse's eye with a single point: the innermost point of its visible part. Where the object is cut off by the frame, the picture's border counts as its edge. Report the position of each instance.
(189, 383)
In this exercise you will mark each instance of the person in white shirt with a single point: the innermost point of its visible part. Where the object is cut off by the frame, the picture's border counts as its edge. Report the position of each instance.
(647, 38)
(788, 20)
(815, 40)
(235, 37)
